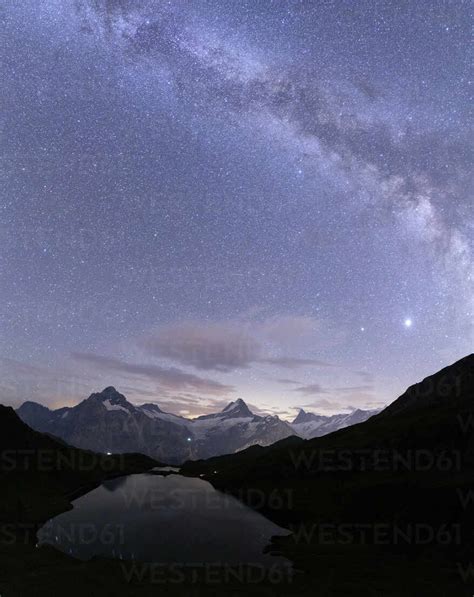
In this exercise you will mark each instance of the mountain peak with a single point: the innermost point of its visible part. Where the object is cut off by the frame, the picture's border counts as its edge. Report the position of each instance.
(110, 391)
(35, 406)
(150, 406)
(30, 412)
(237, 403)
(110, 398)
(238, 408)
(304, 417)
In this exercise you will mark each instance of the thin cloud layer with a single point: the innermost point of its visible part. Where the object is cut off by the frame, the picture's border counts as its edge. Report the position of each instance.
(294, 363)
(169, 377)
(314, 388)
(235, 344)
(211, 346)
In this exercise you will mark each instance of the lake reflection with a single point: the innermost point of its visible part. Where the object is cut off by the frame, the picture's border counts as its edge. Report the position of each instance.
(162, 519)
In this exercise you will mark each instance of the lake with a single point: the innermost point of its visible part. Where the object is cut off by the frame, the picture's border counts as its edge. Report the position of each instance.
(165, 519)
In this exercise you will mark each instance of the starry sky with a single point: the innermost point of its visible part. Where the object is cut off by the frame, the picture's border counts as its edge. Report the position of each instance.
(204, 200)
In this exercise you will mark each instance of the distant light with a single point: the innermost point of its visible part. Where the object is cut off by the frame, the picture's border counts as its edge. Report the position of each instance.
(109, 453)
(408, 322)
(362, 329)
(215, 472)
(189, 439)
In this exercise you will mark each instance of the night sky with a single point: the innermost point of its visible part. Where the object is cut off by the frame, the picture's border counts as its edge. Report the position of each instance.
(217, 199)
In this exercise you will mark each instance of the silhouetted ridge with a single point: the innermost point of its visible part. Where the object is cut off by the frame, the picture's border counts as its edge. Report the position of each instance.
(444, 389)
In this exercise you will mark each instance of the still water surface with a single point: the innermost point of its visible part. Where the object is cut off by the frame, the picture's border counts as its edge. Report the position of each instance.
(164, 519)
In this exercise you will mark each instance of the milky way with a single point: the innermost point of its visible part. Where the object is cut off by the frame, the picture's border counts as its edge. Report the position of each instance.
(210, 199)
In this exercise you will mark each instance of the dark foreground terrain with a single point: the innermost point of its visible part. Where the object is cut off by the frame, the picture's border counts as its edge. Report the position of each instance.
(384, 508)
(381, 508)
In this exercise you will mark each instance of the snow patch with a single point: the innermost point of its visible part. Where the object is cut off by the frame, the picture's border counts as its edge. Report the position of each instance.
(153, 414)
(111, 407)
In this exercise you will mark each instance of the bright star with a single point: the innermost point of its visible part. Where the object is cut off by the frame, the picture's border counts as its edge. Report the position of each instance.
(407, 323)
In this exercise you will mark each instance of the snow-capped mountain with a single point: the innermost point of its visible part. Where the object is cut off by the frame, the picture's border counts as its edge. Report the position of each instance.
(236, 428)
(308, 425)
(108, 422)
(233, 410)
(153, 411)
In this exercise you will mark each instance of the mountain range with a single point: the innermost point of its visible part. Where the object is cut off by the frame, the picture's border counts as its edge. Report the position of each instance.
(108, 422)
(308, 425)
(383, 507)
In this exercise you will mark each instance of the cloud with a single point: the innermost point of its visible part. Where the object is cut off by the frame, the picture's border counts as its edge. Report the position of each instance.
(365, 402)
(375, 404)
(265, 411)
(55, 386)
(354, 389)
(235, 344)
(187, 405)
(170, 378)
(365, 376)
(210, 346)
(134, 391)
(314, 388)
(328, 405)
(294, 363)
(283, 329)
